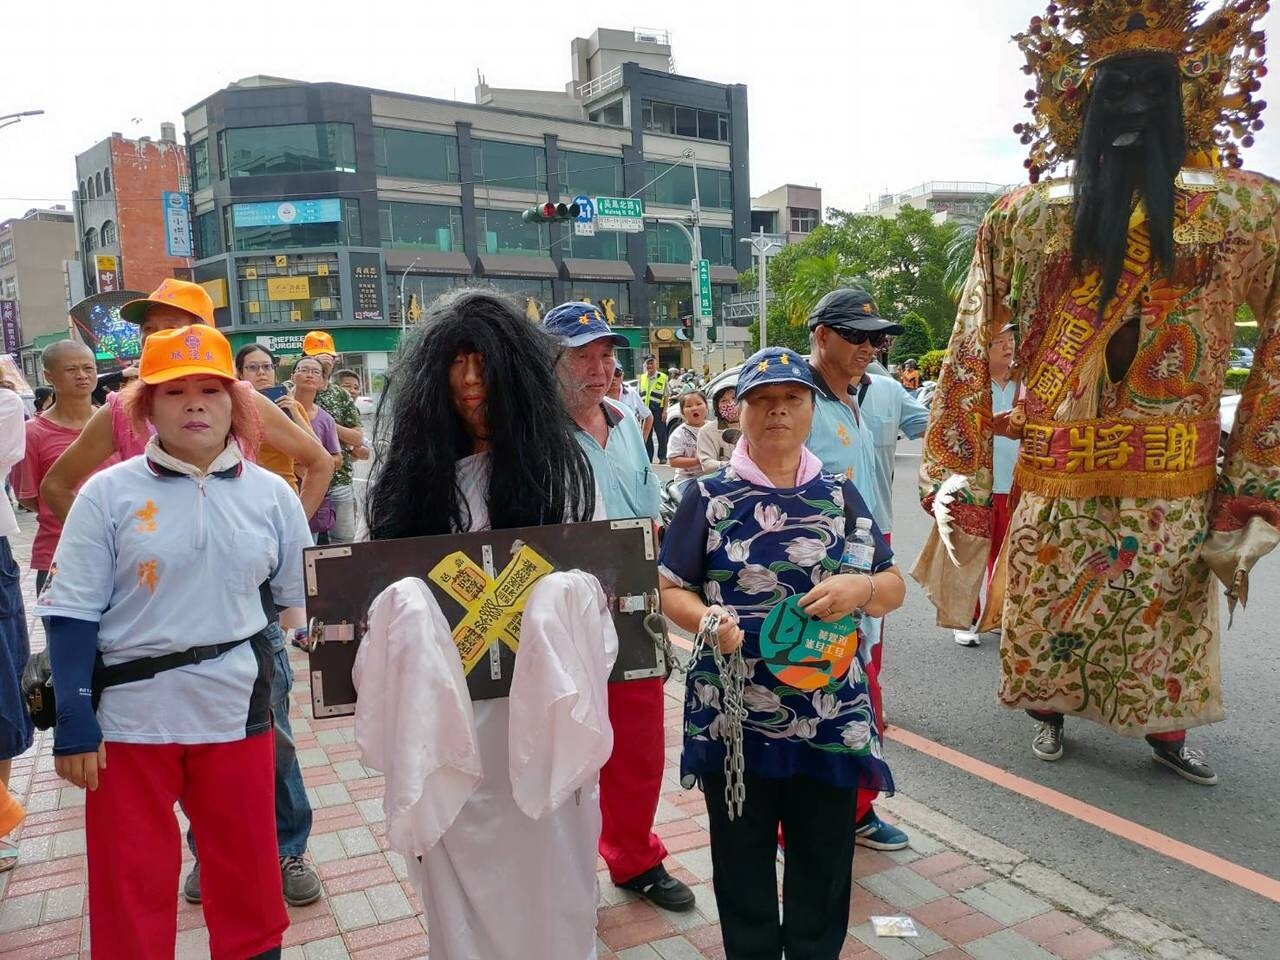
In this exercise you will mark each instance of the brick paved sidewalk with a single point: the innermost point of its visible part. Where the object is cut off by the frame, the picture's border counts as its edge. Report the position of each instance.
(965, 906)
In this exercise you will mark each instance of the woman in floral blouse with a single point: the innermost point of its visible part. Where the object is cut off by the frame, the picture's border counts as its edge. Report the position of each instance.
(760, 543)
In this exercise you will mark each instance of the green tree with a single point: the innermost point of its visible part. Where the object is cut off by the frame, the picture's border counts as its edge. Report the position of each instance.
(960, 247)
(1246, 330)
(915, 340)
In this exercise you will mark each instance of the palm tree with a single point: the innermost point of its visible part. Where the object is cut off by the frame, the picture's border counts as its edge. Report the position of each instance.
(959, 249)
(812, 278)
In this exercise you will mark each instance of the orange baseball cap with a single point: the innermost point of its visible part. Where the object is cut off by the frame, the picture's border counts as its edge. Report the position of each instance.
(188, 297)
(316, 342)
(194, 351)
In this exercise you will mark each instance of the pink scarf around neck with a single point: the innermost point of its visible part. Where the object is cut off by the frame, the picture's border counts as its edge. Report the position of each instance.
(745, 467)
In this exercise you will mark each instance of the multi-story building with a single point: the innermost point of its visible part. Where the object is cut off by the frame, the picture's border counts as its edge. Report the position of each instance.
(130, 201)
(789, 213)
(33, 303)
(962, 200)
(327, 205)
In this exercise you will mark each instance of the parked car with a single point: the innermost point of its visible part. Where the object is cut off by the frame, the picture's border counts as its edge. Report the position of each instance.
(364, 406)
(1241, 358)
(674, 418)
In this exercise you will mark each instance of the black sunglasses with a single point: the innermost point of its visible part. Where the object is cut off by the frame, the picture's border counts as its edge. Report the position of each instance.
(859, 337)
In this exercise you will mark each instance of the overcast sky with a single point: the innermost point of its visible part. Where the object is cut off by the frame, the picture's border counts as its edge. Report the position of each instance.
(856, 96)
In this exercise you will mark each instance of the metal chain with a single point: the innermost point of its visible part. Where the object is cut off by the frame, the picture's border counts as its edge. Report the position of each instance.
(733, 675)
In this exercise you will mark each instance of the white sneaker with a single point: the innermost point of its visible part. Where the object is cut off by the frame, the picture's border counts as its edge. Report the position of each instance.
(967, 638)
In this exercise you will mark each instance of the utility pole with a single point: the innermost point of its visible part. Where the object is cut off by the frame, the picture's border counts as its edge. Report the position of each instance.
(763, 247)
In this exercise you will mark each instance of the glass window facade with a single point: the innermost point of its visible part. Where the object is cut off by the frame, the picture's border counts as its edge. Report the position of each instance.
(603, 246)
(592, 174)
(425, 287)
(208, 240)
(290, 148)
(610, 113)
(344, 232)
(613, 298)
(661, 117)
(322, 304)
(503, 232)
(200, 165)
(108, 233)
(665, 243)
(668, 302)
(419, 226)
(509, 166)
(673, 185)
(533, 295)
(415, 155)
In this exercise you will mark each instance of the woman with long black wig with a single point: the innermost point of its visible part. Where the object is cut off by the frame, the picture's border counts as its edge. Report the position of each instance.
(472, 435)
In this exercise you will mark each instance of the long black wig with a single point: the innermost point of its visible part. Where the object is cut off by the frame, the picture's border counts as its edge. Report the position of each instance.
(1108, 177)
(540, 475)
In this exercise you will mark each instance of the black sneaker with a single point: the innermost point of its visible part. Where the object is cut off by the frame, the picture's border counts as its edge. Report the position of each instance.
(1186, 763)
(1048, 742)
(661, 889)
(301, 884)
(191, 886)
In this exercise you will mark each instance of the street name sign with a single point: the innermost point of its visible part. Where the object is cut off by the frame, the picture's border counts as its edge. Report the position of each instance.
(624, 214)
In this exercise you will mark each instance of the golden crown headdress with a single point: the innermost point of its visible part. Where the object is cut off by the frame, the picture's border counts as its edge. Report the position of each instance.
(1220, 56)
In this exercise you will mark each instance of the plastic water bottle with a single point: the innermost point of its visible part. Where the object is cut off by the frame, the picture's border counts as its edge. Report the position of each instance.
(859, 549)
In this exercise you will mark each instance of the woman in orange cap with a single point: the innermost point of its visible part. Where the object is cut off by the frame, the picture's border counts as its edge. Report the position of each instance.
(164, 568)
(177, 303)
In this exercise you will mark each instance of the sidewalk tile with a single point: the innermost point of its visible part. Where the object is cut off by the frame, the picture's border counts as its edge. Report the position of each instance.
(696, 861)
(1005, 902)
(642, 952)
(971, 926)
(317, 928)
(389, 902)
(1045, 927)
(63, 903)
(331, 948)
(627, 935)
(1006, 945)
(939, 863)
(1082, 944)
(890, 948)
(927, 942)
(962, 879)
(676, 948)
(352, 911)
(19, 912)
(902, 887)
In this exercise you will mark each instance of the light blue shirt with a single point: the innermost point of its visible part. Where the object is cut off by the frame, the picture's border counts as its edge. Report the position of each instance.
(843, 442)
(164, 562)
(1004, 452)
(887, 409)
(621, 467)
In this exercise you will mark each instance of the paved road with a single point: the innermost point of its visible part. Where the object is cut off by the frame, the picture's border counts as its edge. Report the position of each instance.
(947, 693)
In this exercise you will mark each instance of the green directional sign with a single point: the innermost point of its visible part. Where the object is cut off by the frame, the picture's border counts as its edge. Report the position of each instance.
(624, 214)
(702, 275)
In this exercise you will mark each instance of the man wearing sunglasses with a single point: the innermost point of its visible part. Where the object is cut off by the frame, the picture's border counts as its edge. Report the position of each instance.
(845, 331)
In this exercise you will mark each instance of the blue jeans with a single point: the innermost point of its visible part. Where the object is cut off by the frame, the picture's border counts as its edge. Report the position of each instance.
(293, 810)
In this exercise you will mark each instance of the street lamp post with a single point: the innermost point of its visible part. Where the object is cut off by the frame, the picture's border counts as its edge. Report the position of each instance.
(403, 277)
(8, 119)
(762, 247)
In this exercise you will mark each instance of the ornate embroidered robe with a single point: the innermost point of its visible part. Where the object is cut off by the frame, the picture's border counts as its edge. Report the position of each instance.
(1109, 611)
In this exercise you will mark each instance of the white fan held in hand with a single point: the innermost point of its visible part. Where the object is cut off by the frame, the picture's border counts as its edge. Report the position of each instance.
(942, 502)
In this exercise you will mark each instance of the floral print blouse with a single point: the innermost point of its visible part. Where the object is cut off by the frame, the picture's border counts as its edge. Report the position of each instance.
(750, 548)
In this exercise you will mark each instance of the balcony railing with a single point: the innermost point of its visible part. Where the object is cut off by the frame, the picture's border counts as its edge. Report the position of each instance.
(598, 86)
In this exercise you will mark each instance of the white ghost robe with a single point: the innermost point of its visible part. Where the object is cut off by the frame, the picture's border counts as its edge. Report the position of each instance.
(503, 814)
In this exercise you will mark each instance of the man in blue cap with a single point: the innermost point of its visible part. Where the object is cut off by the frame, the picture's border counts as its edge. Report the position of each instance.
(845, 330)
(631, 782)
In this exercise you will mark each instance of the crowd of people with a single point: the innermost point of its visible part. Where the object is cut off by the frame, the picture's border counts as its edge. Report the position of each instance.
(170, 528)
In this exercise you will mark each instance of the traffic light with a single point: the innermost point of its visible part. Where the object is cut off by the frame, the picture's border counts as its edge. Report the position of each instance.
(551, 213)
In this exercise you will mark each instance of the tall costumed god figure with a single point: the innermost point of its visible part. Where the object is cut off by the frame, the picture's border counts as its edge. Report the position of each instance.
(1122, 284)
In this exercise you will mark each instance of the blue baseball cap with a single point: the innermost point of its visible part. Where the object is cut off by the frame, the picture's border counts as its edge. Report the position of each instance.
(578, 324)
(773, 365)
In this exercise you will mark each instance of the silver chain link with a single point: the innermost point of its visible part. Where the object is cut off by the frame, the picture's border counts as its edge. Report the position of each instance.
(733, 676)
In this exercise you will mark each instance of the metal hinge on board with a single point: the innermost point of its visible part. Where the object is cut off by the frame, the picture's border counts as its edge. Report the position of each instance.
(639, 602)
(319, 632)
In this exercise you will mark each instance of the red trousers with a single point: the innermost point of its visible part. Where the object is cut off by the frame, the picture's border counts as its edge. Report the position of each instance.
(867, 797)
(631, 781)
(135, 848)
